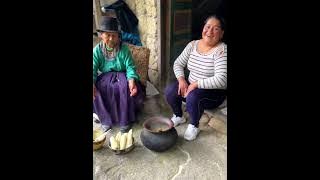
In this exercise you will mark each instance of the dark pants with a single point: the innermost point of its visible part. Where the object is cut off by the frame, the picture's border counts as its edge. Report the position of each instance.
(196, 102)
(113, 103)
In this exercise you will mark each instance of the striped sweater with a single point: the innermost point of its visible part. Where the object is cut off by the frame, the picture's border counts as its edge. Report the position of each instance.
(210, 70)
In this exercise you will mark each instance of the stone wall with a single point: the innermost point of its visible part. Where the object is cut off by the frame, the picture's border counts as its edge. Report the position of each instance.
(147, 14)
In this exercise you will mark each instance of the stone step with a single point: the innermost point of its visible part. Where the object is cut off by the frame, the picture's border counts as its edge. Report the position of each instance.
(215, 119)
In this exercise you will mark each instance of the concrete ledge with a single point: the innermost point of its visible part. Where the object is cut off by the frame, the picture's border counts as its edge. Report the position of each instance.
(211, 118)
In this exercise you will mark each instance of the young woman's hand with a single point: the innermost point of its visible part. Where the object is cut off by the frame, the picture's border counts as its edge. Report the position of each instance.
(183, 86)
(191, 87)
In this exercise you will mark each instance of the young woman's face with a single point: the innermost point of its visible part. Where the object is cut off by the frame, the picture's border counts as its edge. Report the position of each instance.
(110, 38)
(212, 32)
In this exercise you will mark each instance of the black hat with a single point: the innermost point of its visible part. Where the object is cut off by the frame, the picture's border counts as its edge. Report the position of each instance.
(108, 24)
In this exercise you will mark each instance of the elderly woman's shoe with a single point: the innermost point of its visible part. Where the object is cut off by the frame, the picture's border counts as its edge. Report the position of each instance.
(106, 128)
(191, 132)
(125, 129)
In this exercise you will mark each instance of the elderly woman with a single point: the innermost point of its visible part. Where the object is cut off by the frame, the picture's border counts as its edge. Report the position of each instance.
(205, 88)
(117, 91)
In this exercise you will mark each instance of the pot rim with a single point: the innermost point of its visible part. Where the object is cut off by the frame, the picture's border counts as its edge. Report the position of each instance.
(159, 119)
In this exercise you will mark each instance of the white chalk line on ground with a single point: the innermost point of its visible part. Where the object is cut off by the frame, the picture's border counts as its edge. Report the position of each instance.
(182, 165)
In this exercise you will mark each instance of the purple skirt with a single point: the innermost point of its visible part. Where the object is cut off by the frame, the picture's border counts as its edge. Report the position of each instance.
(113, 103)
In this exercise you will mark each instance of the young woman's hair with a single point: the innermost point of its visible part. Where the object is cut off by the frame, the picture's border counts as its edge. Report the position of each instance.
(219, 18)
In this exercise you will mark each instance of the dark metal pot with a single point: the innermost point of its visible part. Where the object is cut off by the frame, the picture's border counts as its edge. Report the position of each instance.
(158, 134)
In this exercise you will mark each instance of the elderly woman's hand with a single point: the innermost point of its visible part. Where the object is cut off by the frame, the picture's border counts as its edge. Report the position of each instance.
(132, 87)
(191, 87)
(183, 86)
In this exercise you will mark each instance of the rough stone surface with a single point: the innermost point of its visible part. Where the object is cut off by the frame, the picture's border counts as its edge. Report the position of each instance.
(146, 12)
(204, 119)
(153, 76)
(154, 66)
(140, 7)
(218, 125)
(151, 3)
(151, 26)
(152, 12)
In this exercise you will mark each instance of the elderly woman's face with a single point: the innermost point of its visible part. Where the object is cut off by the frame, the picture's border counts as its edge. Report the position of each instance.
(212, 32)
(110, 38)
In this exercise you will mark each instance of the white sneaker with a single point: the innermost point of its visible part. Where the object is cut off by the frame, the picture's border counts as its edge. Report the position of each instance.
(177, 120)
(191, 132)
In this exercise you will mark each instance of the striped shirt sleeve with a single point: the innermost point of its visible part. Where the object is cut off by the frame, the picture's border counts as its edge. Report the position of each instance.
(219, 80)
(181, 61)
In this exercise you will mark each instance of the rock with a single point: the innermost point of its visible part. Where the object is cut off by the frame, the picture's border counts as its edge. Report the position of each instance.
(153, 76)
(152, 12)
(140, 8)
(151, 26)
(224, 111)
(150, 3)
(205, 127)
(218, 125)
(204, 119)
(154, 65)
